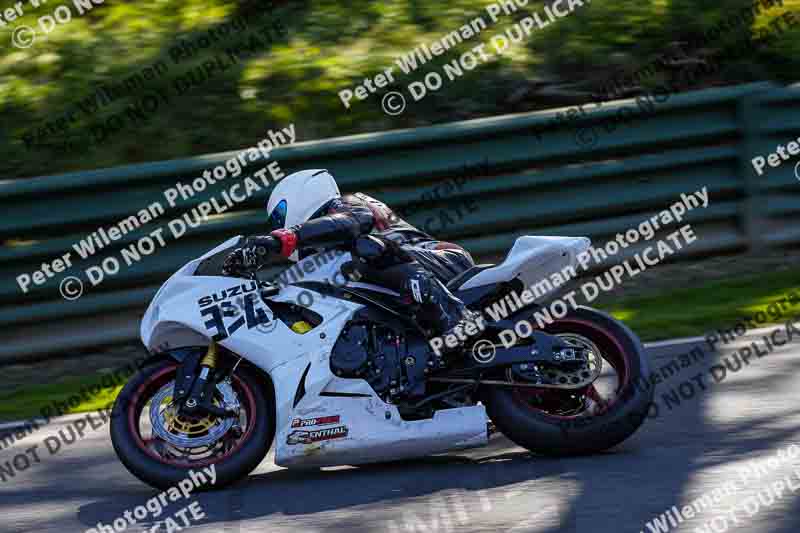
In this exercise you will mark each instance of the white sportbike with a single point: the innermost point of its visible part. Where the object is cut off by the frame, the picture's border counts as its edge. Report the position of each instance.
(331, 372)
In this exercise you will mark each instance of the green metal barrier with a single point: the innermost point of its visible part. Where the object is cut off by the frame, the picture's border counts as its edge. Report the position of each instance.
(534, 176)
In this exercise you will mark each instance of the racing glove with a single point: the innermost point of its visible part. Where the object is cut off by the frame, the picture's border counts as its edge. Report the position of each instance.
(253, 255)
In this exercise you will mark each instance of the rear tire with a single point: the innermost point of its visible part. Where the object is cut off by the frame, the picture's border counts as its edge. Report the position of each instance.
(550, 434)
(160, 473)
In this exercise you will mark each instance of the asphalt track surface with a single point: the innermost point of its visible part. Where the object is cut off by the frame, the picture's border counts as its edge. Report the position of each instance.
(676, 458)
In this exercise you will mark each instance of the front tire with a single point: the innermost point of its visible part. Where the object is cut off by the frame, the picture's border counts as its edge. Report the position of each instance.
(142, 454)
(555, 433)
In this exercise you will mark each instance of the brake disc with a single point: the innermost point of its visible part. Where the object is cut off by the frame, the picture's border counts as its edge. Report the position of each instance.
(190, 432)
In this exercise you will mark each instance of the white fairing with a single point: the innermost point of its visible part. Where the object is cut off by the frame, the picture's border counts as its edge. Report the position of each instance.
(356, 426)
(366, 429)
(532, 259)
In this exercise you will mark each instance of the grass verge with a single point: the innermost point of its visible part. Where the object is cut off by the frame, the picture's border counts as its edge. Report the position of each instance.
(23, 405)
(721, 304)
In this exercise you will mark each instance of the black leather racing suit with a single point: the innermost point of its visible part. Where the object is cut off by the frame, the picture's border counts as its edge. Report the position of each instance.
(390, 252)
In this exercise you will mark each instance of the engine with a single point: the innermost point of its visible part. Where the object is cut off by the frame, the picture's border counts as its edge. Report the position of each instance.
(394, 365)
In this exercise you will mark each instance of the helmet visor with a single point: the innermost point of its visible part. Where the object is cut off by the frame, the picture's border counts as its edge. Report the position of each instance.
(277, 219)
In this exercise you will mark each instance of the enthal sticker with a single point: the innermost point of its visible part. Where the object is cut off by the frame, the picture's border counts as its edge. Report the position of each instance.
(318, 435)
(321, 421)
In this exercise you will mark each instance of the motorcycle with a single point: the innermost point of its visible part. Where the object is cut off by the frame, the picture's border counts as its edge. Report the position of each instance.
(329, 374)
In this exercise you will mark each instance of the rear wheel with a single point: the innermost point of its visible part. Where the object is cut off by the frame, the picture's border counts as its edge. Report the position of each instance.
(586, 420)
(159, 446)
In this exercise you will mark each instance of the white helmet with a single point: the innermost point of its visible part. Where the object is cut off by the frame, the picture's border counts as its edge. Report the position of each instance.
(299, 197)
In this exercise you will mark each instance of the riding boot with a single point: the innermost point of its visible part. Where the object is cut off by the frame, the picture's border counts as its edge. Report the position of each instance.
(439, 306)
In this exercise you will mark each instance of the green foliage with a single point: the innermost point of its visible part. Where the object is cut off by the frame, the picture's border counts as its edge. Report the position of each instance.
(294, 75)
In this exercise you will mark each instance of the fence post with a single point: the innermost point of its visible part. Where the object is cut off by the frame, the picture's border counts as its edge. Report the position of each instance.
(748, 108)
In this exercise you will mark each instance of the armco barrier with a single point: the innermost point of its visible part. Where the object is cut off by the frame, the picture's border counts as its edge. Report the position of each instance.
(534, 179)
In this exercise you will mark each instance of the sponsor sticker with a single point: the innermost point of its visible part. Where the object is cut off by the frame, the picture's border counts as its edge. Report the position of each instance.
(317, 435)
(321, 421)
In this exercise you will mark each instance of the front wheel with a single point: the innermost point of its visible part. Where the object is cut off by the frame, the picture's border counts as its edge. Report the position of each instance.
(160, 446)
(581, 421)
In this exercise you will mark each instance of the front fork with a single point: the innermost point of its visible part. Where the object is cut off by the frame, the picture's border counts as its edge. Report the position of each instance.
(196, 381)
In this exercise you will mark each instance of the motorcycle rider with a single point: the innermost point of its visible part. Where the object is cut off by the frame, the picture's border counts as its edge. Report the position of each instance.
(307, 214)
